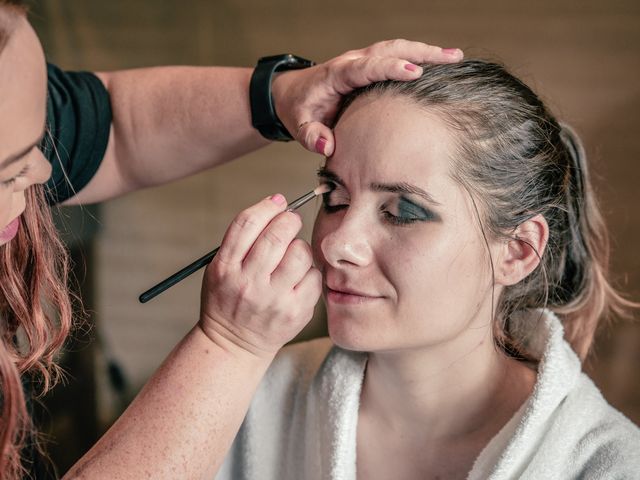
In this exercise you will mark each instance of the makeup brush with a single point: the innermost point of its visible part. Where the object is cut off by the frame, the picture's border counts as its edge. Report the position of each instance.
(206, 259)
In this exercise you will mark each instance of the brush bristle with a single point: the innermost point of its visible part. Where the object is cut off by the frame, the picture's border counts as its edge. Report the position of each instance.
(323, 188)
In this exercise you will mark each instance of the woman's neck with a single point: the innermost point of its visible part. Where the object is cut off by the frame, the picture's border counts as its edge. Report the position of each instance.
(439, 394)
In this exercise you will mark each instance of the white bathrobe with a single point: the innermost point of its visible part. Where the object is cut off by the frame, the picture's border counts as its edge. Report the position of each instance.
(302, 422)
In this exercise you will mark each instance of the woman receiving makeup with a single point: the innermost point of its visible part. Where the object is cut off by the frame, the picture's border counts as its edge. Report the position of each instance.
(91, 137)
(463, 261)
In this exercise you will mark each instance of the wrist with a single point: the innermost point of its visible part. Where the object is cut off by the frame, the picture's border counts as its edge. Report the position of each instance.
(263, 90)
(233, 344)
(278, 96)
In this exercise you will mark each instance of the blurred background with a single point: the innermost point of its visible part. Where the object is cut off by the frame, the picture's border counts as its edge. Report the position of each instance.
(582, 56)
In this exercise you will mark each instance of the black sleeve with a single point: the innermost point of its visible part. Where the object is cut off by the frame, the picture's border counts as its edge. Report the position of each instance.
(78, 120)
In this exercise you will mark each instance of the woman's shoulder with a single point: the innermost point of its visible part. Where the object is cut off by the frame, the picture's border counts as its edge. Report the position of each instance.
(606, 444)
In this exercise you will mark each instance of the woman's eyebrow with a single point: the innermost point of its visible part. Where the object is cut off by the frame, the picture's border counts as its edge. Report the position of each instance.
(403, 187)
(399, 187)
(324, 172)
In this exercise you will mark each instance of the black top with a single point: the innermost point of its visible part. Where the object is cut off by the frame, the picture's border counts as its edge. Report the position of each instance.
(78, 120)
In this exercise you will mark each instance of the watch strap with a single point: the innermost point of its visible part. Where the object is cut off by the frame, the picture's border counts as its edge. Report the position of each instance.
(263, 112)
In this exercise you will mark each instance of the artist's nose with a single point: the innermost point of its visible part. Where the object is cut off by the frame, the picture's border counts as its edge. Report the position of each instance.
(42, 169)
(348, 245)
(39, 172)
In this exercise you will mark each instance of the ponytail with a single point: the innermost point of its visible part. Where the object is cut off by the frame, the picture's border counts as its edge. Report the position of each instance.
(583, 294)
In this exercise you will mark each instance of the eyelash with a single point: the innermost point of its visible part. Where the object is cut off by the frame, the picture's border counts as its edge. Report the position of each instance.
(399, 221)
(11, 181)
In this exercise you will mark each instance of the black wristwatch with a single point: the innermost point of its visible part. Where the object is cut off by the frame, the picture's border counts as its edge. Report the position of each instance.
(263, 113)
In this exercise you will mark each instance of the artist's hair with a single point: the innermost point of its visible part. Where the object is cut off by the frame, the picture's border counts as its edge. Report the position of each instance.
(35, 307)
(516, 161)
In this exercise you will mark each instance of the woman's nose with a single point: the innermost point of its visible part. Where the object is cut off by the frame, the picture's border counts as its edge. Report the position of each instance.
(348, 244)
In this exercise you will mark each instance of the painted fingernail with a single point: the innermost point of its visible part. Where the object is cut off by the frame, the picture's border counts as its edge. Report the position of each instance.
(278, 199)
(321, 143)
(450, 51)
(411, 67)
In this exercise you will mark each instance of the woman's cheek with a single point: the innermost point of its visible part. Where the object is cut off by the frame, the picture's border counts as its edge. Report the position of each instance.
(317, 235)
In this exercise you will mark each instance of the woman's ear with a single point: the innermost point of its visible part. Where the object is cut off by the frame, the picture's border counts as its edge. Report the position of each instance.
(521, 254)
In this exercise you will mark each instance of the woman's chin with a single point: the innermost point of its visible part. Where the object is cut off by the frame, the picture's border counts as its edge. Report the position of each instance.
(349, 335)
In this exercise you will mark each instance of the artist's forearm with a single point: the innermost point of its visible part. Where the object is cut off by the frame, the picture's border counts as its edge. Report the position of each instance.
(171, 122)
(183, 421)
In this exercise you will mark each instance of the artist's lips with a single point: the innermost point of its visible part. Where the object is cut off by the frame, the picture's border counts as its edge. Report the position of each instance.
(10, 230)
(349, 296)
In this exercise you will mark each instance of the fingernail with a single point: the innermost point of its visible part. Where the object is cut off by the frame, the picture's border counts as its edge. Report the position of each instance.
(278, 199)
(411, 67)
(321, 143)
(450, 51)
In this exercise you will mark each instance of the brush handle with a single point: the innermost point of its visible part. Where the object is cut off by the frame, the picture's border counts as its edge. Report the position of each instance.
(298, 202)
(178, 276)
(206, 259)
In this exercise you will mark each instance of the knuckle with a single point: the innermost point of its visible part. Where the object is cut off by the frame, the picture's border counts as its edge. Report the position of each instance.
(393, 43)
(219, 266)
(375, 47)
(362, 63)
(352, 53)
(307, 136)
(316, 277)
(292, 220)
(301, 251)
(274, 238)
(397, 43)
(283, 228)
(244, 219)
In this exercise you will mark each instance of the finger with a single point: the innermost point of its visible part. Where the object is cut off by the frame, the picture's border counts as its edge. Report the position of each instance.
(269, 248)
(246, 227)
(316, 137)
(308, 290)
(415, 52)
(294, 265)
(362, 71)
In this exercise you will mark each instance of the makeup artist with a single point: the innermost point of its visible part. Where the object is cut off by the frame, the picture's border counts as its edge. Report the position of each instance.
(94, 137)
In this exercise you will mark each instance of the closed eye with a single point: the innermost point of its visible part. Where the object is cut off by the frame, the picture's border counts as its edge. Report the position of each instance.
(402, 211)
(336, 199)
(22, 173)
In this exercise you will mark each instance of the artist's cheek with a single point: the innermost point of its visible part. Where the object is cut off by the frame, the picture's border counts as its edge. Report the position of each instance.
(5, 206)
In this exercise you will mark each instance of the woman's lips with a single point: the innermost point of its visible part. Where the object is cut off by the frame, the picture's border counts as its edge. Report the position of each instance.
(10, 230)
(347, 297)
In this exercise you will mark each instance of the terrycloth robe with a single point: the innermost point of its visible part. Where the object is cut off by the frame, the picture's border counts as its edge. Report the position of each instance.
(302, 421)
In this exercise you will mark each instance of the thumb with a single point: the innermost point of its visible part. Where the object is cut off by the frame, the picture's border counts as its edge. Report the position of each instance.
(316, 137)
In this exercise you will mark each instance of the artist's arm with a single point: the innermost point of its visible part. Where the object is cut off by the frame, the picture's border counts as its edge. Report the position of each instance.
(171, 122)
(258, 293)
